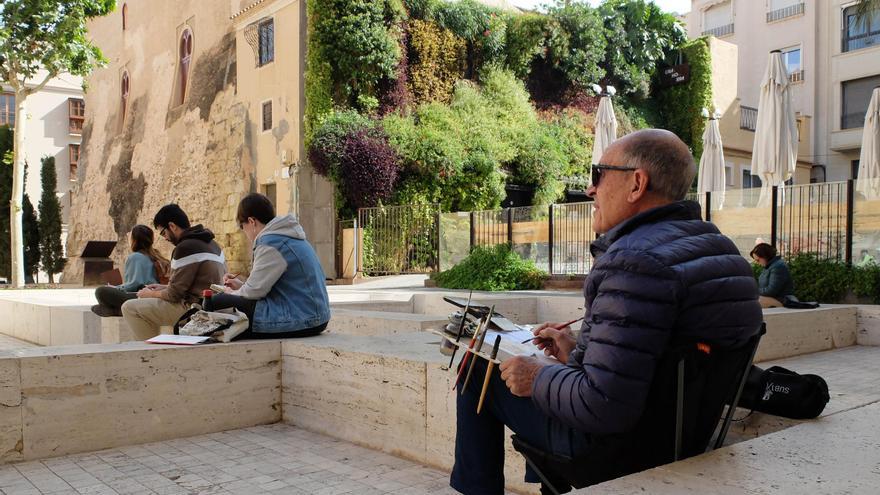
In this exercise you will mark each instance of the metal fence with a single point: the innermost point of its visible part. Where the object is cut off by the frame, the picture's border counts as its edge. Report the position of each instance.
(828, 219)
(398, 239)
(812, 218)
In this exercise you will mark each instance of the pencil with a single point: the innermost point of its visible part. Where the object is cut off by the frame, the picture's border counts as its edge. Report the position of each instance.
(479, 348)
(489, 373)
(460, 328)
(558, 327)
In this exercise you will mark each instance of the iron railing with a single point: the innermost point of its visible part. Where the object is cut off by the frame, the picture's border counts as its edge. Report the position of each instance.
(812, 218)
(785, 12)
(748, 118)
(796, 76)
(399, 239)
(719, 31)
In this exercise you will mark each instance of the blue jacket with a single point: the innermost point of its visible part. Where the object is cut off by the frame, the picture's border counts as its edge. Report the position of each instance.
(139, 271)
(663, 274)
(286, 279)
(775, 280)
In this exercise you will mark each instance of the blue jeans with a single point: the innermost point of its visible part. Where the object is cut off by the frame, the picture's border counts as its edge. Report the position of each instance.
(479, 439)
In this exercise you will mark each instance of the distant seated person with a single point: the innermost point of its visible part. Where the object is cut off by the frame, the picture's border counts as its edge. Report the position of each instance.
(775, 282)
(196, 263)
(143, 266)
(285, 295)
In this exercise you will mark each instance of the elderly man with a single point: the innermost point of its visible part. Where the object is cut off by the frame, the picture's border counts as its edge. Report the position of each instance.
(660, 274)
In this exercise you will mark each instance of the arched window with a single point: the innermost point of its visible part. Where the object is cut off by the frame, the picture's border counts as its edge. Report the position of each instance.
(186, 49)
(124, 93)
(124, 15)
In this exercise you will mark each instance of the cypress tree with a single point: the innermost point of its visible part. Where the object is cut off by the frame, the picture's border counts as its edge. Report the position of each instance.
(51, 253)
(31, 234)
(6, 143)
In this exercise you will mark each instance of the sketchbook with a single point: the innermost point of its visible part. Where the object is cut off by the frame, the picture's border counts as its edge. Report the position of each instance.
(179, 339)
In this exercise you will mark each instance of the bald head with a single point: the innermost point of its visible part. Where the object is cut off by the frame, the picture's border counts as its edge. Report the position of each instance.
(668, 161)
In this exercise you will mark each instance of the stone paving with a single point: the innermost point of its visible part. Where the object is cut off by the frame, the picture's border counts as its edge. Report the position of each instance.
(274, 459)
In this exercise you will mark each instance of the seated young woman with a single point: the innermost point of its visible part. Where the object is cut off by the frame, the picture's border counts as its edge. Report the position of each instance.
(284, 296)
(775, 281)
(143, 266)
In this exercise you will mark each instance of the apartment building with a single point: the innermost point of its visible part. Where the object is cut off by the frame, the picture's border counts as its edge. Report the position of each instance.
(833, 61)
(56, 115)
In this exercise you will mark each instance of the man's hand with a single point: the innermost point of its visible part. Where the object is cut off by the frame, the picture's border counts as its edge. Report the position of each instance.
(147, 293)
(519, 373)
(555, 342)
(232, 281)
(154, 287)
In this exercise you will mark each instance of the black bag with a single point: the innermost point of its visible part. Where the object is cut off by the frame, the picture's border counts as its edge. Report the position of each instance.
(783, 392)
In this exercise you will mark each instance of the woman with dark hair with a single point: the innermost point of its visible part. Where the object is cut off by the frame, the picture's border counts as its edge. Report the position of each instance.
(775, 282)
(284, 295)
(144, 266)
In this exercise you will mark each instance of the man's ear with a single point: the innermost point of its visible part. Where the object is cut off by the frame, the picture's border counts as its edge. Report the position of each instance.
(638, 185)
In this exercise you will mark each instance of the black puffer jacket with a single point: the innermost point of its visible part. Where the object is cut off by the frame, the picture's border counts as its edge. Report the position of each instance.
(663, 273)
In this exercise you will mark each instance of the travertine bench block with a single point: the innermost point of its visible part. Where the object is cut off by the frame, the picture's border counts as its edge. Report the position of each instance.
(82, 398)
(795, 332)
(355, 322)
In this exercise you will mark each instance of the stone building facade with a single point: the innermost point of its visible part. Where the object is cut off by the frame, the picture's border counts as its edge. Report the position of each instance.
(200, 104)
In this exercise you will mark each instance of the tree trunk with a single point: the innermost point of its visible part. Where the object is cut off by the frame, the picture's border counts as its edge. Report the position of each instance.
(15, 213)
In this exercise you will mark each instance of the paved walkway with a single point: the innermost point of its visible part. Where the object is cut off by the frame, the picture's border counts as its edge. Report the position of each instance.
(274, 459)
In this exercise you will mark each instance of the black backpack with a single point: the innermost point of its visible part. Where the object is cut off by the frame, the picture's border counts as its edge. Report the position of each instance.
(782, 392)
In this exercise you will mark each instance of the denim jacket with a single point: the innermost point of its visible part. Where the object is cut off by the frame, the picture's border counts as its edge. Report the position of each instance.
(286, 279)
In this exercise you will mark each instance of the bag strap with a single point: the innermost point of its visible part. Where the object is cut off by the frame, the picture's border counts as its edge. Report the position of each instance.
(184, 318)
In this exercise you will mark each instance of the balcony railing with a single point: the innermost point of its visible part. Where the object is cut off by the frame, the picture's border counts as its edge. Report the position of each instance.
(748, 118)
(720, 31)
(796, 76)
(790, 11)
(857, 42)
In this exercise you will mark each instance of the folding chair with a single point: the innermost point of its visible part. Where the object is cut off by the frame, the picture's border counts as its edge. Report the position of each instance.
(719, 381)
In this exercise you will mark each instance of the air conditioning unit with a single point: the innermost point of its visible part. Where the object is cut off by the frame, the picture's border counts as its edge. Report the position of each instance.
(287, 156)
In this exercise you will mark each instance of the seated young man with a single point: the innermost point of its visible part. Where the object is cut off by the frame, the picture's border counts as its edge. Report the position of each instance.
(285, 295)
(660, 274)
(196, 263)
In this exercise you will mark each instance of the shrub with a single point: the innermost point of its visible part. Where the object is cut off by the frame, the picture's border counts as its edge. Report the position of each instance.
(359, 40)
(638, 35)
(394, 92)
(437, 61)
(354, 153)
(495, 268)
(576, 44)
(367, 169)
(525, 42)
(327, 146)
(679, 106)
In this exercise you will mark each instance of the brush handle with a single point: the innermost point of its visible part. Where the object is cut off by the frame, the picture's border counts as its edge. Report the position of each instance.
(485, 386)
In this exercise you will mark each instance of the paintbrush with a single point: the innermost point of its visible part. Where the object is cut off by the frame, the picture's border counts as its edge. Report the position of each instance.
(467, 353)
(479, 348)
(489, 372)
(460, 328)
(557, 327)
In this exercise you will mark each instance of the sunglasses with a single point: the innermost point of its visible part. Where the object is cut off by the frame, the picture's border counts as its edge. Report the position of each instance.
(596, 171)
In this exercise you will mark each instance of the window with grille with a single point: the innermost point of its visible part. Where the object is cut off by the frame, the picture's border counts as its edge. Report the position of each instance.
(791, 57)
(267, 116)
(73, 152)
(267, 41)
(76, 108)
(7, 109)
(859, 32)
(124, 16)
(185, 53)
